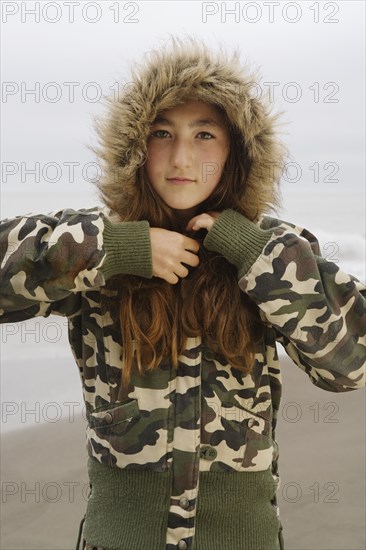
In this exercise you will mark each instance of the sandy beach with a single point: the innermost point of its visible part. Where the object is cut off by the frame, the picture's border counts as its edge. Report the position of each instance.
(322, 466)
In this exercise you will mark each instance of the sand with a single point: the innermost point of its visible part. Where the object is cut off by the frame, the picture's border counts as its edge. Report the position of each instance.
(322, 466)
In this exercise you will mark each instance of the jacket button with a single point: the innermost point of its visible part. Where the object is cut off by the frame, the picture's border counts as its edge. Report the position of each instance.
(184, 503)
(108, 419)
(208, 453)
(251, 422)
(182, 545)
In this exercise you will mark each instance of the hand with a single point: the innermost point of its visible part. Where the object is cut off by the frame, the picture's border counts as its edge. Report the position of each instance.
(202, 221)
(169, 250)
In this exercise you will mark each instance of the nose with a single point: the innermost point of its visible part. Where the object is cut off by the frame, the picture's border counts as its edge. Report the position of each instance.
(181, 154)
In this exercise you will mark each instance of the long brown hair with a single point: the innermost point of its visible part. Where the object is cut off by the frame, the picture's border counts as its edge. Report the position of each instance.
(156, 317)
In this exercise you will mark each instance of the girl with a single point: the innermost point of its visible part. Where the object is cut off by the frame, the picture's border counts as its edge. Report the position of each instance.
(177, 293)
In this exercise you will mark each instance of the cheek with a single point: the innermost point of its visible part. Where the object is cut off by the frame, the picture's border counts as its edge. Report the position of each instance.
(221, 157)
(154, 160)
(150, 165)
(225, 156)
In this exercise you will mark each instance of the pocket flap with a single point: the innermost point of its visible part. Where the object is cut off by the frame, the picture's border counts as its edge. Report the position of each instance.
(248, 418)
(114, 413)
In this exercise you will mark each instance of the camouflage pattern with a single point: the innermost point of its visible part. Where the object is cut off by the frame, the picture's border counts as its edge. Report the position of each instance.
(205, 416)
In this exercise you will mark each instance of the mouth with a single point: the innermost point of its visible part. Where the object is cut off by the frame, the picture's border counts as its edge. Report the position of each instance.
(179, 180)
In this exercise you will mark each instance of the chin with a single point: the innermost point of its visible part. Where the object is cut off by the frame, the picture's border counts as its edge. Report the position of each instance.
(183, 205)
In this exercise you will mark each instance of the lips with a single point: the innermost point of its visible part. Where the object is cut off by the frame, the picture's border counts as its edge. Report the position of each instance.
(179, 180)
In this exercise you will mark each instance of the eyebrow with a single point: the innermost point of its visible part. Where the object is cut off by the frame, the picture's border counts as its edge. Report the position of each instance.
(193, 124)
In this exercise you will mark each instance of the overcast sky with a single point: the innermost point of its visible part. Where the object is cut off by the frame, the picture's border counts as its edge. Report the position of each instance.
(311, 52)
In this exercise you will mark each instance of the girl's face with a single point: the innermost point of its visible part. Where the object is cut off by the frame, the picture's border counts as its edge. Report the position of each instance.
(187, 149)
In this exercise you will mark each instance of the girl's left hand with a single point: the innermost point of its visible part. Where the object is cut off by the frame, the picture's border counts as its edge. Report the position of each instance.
(202, 221)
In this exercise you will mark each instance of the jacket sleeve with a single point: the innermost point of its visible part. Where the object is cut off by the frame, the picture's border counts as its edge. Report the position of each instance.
(317, 311)
(47, 261)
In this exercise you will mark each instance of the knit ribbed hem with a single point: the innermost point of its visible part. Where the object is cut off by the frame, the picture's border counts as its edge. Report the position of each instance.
(128, 249)
(234, 512)
(127, 509)
(239, 240)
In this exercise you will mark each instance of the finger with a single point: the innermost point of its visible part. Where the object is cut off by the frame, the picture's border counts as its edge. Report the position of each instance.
(191, 244)
(190, 259)
(214, 214)
(192, 222)
(171, 278)
(181, 271)
(205, 223)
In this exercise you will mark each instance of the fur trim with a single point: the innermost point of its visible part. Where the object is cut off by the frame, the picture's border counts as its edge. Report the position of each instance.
(185, 70)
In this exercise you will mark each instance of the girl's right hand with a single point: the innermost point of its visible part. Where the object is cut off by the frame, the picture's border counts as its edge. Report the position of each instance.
(169, 251)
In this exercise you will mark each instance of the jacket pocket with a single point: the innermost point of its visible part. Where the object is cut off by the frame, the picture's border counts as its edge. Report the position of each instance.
(123, 434)
(111, 430)
(255, 435)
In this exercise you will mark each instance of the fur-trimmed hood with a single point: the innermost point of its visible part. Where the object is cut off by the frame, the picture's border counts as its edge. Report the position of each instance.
(187, 70)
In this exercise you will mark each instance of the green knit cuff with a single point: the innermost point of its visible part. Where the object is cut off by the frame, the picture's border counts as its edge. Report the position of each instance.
(128, 249)
(239, 240)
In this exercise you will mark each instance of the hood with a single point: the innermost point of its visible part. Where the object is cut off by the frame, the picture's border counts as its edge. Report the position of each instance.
(187, 70)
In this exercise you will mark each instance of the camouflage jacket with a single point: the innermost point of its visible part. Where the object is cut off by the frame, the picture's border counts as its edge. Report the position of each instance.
(190, 425)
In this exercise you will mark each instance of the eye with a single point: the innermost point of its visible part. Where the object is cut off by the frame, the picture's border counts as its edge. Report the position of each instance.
(160, 133)
(205, 135)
